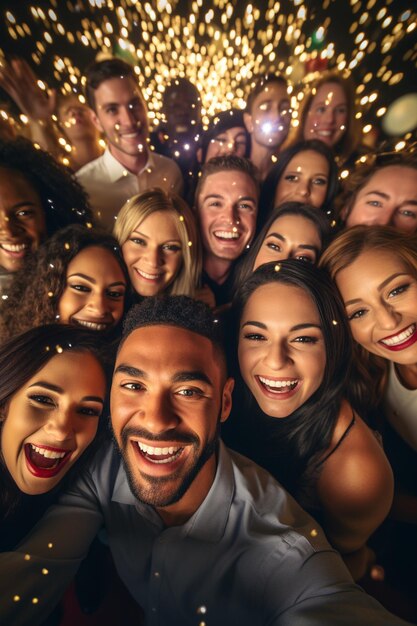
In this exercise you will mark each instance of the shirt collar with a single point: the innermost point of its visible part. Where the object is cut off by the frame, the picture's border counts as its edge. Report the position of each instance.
(116, 170)
(209, 521)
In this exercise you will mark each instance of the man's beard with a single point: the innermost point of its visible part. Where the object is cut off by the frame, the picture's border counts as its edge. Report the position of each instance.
(151, 489)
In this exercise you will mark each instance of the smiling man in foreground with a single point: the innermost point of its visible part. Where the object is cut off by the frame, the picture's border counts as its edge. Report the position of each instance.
(198, 534)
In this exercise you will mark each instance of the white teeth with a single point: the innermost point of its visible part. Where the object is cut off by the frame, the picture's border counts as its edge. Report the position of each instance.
(49, 454)
(153, 451)
(91, 325)
(148, 276)
(10, 247)
(401, 337)
(129, 135)
(325, 133)
(278, 384)
(227, 234)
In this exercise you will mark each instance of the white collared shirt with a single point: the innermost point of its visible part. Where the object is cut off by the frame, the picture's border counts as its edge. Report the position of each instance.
(109, 184)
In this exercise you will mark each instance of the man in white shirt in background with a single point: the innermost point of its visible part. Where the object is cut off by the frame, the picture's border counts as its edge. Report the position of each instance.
(127, 167)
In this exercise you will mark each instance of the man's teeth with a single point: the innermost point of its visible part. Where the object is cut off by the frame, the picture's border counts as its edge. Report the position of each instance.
(13, 247)
(325, 133)
(92, 325)
(401, 337)
(49, 454)
(227, 234)
(148, 276)
(129, 135)
(167, 454)
(285, 385)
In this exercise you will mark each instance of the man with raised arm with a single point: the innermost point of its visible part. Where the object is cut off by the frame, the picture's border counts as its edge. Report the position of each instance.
(198, 533)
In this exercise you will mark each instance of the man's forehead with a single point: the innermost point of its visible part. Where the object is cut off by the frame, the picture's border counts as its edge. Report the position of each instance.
(112, 86)
(168, 338)
(225, 182)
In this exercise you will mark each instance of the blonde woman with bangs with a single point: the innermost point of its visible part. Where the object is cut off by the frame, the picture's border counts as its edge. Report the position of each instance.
(159, 241)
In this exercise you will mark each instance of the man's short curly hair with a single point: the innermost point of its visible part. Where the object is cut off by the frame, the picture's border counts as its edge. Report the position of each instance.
(180, 311)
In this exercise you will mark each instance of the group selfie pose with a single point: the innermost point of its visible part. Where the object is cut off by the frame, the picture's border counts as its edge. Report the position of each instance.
(208, 359)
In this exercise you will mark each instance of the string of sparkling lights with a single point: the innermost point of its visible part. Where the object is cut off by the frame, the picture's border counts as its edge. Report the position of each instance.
(222, 45)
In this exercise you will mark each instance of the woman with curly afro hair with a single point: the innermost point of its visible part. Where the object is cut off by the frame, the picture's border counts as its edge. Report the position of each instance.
(37, 197)
(76, 277)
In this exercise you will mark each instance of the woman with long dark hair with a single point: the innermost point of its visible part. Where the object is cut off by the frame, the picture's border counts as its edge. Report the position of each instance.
(293, 418)
(293, 230)
(305, 172)
(52, 394)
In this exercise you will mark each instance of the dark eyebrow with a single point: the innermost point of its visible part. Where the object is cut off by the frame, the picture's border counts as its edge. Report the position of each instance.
(217, 195)
(378, 193)
(303, 246)
(185, 377)
(80, 275)
(130, 370)
(277, 236)
(23, 203)
(296, 327)
(49, 386)
(297, 171)
(57, 389)
(257, 324)
(380, 287)
(90, 279)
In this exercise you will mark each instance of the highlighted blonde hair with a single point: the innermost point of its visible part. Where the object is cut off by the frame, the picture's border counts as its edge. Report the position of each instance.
(139, 207)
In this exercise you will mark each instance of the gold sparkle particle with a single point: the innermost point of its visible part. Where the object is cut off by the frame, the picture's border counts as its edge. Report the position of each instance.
(190, 243)
(334, 322)
(181, 218)
(314, 533)
(27, 557)
(50, 294)
(16, 598)
(67, 246)
(59, 349)
(50, 545)
(277, 267)
(45, 571)
(35, 600)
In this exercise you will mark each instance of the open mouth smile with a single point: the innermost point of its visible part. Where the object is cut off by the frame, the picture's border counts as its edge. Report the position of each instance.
(168, 454)
(282, 387)
(15, 250)
(401, 340)
(99, 326)
(227, 235)
(159, 460)
(152, 277)
(45, 461)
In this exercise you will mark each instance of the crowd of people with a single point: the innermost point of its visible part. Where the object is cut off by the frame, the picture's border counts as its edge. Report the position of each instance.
(225, 284)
